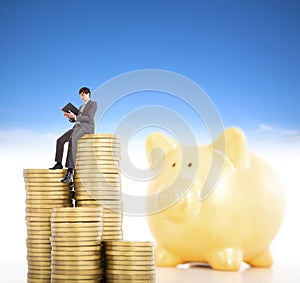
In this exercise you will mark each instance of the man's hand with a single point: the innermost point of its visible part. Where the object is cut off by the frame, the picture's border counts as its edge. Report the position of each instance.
(69, 115)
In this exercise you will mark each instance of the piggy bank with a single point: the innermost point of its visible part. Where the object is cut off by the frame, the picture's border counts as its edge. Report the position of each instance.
(234, 223)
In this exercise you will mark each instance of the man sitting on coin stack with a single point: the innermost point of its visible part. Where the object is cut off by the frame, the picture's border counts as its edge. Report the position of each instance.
(84, 124)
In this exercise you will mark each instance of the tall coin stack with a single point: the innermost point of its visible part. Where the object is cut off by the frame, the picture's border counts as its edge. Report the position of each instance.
(76, 245)
(129, 262)
(97, 180)
(44, 191)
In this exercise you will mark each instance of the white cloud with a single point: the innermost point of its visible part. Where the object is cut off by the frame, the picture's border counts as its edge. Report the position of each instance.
(19, 139)
(271, 134)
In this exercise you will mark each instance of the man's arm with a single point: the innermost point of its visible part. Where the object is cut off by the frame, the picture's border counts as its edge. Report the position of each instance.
(89, 115)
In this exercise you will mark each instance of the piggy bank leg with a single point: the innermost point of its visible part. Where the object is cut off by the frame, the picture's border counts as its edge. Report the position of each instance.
(227, 259)
(165, 258)
(263, 259)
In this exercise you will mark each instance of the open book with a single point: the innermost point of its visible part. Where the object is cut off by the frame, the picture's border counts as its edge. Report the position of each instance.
(70, 107)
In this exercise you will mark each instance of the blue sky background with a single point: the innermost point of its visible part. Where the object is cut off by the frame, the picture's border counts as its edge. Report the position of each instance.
(244, 54)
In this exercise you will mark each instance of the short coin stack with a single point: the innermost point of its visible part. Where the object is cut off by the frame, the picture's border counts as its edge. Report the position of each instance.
(43, 192)
(97, 180)
(76, 245)
(127, 261)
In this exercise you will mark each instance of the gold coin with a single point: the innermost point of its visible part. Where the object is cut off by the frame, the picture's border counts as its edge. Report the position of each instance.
(99, 198)
(39, 210)
(53, 196)
(75, 277)
(74, 243)
(99, 193)
(108, 237)
(96, 248)
(105, 147)
(100, 171)
(78, 268)
(47, 193)
(117, 231)
(71, 225)
(78, 272)
(98, 136)
(137, 263)
(38, 225)
(133, 258)
(132, 267)
(52, 176)
(129, 243)
(99, 142)
(75, 253)
(129, 253)
(97, 170)
(83, 163)
(72, 234)
(38, 214)
(39, 270)
(38, 263)
(99, 149)
(47, 201)
(75, 219)
(69, 214)
(77, 230)
(73, 210)
(38, 232)
(43, 171)
(48, 205)
(38, 276)
(39, 250)
(129, 249)
(130, 272)
(38, 241)
(75, 258)
(44, 186)
(38, 246)
(31, 280)
(75, 263)
(36, 254)
(97, 154)
(53, 280)
(96, 177)
(39, 229)
(114, 220)
(89, 187)
(75, 239)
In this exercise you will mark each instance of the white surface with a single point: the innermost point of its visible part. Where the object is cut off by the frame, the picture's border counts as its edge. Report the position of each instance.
(283, 274)
(13, 266)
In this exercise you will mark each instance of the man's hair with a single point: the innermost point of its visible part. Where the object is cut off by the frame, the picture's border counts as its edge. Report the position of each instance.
(85, 90)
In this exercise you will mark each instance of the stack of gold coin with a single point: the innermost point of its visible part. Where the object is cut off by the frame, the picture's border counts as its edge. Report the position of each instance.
(43, 192)
(76, 254)
(97, 180)
(129, 262)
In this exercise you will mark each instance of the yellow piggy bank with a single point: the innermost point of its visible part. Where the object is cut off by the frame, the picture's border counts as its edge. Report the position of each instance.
(237, 220)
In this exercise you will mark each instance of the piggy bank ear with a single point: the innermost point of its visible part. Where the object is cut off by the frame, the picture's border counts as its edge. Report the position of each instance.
(157, 146)
(233, 143)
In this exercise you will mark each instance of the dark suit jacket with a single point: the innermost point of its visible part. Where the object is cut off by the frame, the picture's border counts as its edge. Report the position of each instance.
(86, 117)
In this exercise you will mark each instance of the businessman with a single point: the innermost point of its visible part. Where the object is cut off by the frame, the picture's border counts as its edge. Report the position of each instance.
(84, 124)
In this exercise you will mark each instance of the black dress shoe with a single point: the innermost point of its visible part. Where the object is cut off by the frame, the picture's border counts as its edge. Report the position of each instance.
(56, 166)
(68, 178)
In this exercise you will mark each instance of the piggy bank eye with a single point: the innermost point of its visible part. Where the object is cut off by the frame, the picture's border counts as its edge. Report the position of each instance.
(174, 164)
(190, 164)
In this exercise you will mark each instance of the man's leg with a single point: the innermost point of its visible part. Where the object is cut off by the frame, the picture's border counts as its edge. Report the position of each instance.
(72, 150)
(60, 145)
(60, 142)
